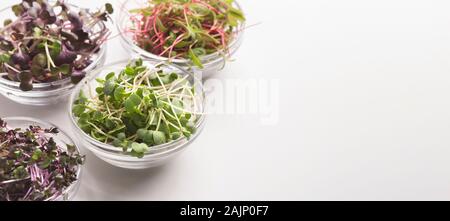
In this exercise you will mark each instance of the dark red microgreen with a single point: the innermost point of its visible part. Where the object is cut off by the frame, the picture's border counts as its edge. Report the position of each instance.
(50, 41)
(32, 166)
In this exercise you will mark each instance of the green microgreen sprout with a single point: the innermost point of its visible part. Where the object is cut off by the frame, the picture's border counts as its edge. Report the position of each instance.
(138, 108)
(187, 29)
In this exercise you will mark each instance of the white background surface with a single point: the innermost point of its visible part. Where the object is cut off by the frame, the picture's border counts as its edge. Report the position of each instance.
(364, 111)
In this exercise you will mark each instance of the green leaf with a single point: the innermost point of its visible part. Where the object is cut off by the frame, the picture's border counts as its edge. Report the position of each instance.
(109, 76)
(40, 60)
(119, 93)
(141, 133)
(232, 21)
(99, 90)
(182, 44)
(20, 172)
(64, 69)
(119, 143)
(176, 135)
(159, 137)
(121, 136)
(18, 9)
(199, 51)
(97, 116)
(4, 58)
(195, 59)
(36, 155)
(55, 49)
(110, 124)
(138, 119)
(236, 13)
(109, 8)
(131, 128)
(71, 148)
(44, 164)
(130, 71)
(148, 137)
(138, 62)
(187, 134)
(7, 22)
(82, 99)
(78, 110)
(37, 32)
(140, 92)
(173, 77)
(184, 119)
(109, 87)
(160, 25)
(235, 16)
(131, 103)
(100, 80)
(139, 147)
(135, 154)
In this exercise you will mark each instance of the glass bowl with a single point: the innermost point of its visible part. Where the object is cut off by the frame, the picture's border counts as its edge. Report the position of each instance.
(61, 140)
(46, 93)
(157, 155)
(211, 63)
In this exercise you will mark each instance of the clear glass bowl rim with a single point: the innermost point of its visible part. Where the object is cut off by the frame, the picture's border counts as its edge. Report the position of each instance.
(16, 85)
(172, 146)
(206, 59)
(30, 120)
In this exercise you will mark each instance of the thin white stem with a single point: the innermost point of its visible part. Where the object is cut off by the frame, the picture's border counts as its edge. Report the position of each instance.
(4, 143)
(168, 122)
(181, 109)
(159, 121)
(49, 58)
(42, 38)
(171, 106)
(151, 118)
(100, 131)
(12, 68)
(107, 106)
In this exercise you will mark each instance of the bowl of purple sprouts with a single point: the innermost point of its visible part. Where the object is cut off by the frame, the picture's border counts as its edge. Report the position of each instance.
(38, 162)
(46, 47)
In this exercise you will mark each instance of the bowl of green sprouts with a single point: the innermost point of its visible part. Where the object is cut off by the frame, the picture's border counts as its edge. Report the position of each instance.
(46, 47)
(190, 33)
(138, 114)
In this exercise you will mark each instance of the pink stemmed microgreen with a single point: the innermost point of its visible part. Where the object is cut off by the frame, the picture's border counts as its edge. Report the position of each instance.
(187, 29)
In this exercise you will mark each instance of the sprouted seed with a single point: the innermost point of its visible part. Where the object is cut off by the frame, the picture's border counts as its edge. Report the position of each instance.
(33, 167)
(50, 42)
(187, 29)
(138, 108)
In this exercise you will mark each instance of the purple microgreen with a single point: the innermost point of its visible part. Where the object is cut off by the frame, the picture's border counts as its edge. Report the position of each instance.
(33, 167)
(52, 41)
(66, 56)
(77, 76)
